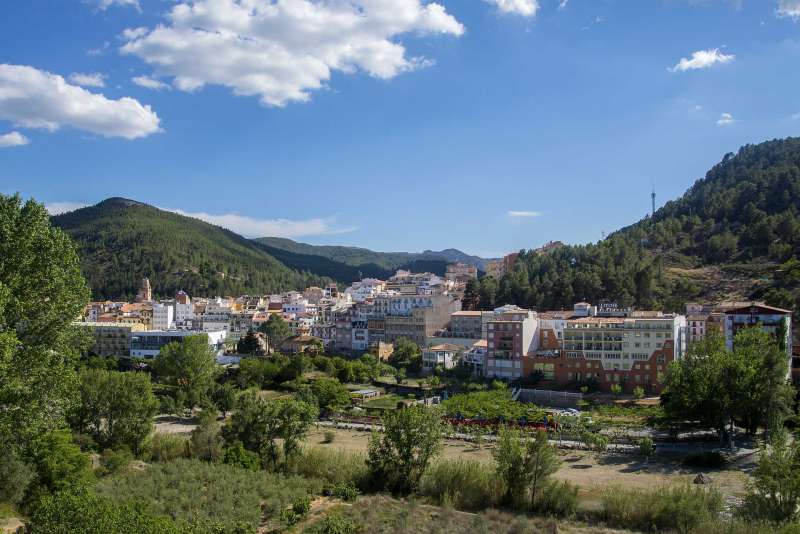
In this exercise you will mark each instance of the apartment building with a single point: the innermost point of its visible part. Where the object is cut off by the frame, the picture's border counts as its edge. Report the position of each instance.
(163, 316)
(511, 335)
(468, 324)
(775, 321)
(461, 273)
(444, 355)
(148, 344)
(110, 339)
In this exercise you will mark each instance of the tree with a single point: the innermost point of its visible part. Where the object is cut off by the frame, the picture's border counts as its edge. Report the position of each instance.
(60, 465)
(524, 466)
(206, 440)
(248, 344)
(41, 292)
(472, 297)
(259, 424)
(224, 397)
(331, 395)
(276, 330)
(398, 457)
(115, 408)
(189, 365)
(400, 375)
(15, 477)
(774, 493)
(406, 354)
(616, 389)
(638, 392)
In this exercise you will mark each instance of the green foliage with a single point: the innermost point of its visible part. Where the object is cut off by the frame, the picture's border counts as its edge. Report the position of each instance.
(334, 524)
(346, 491)
(329, 436)
(276, 330)
(209, 493)
(121, 241)
(398, 457)
(59, 464)
(493, 404)
(332, 465)
(248, 344)
(646, 446)
(407, 355)
(41, 292)
(677, 508)
(190, 366)
(115, 408)
(774, 494)
(464, 484)
(302, 505)
(259, 424)
(166, 447)
(15, 477)
(715, 386)
(237, 456)
(524, 465)
(85, 513)
(113, 461)
(331, 395)
(224, 397)
(638, 392)
(206, 441)
(557, 499)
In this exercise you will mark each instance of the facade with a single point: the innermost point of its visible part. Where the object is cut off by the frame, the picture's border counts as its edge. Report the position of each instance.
(163, 317)
(148, 344)
(468, 324)
(110, 339)
(775, 321)
(461, 272)
(145, 293)
(445, 355)
(475, 357)
(511, 335)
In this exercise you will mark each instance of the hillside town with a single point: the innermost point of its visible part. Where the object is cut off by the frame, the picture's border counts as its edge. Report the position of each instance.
(599, 344)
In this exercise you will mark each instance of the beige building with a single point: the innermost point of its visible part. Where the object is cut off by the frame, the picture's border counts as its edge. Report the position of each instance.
(110, 339)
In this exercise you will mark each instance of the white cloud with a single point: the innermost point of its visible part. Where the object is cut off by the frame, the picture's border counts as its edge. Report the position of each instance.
(150, 83)
(32, 98)
(725, 119)
(702, 59)
(13, 139)
(281, 51)
(524, 214)
(789, 8)
(562, 4)
(57, 208)
(105, 4)
(795, 116)
(93, 79)
(526, 8)
(252, 227)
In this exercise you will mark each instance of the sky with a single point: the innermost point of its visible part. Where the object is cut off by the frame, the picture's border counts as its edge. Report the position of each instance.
(397, 125)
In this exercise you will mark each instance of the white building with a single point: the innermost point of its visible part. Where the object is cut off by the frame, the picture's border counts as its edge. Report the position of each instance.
(445, 355)
(148, 344)
(163, 318)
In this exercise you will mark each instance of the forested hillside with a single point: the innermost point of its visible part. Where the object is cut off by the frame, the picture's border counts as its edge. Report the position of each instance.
(734, 234)
(120, 241)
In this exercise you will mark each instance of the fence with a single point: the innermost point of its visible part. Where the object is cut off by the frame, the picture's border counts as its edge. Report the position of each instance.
(544, 397)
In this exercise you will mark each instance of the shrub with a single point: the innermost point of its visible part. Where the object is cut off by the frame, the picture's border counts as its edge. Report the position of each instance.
(205, 442)
(335, 524)
(302, 505)
(347, 491)
(166, 447)
(60, 464)
(15, 477)
(707, 459)
(466, 484)
(330, 435)
(115, 460)
(646, 446)
(333, 466)
(559, 499)
(236, 455)
(595, 441)
(680, 508)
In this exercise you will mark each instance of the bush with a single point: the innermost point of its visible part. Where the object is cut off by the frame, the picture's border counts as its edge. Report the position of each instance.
(166, 447)
(646, 446)
(465, 484)
(333, 466)
(60, 464)
(113, 461)
(15, 477)
(346, 491)
(680, 508)
(559, 499)
(335, 524)
(596, 441)
(302, 505)
(236, 455)
(330, 435)
(708, 459)
(206, 442)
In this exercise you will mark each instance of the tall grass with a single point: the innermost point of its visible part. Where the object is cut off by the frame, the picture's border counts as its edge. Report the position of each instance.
(165, 447)
(332, 466)
(676, 508)
(463, 484)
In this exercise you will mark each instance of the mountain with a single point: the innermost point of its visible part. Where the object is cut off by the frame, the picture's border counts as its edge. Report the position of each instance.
(735, 234)
(120, 241)
(371, 263)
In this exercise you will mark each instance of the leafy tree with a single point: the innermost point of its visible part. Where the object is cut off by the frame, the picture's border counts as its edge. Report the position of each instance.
(224, 397)
(206, 439)
(398, 457)
(616, 389)
(41, 292)
(188, 365)
(524, 465)
(259, 424)
(59, 463)
(331, 395)
(258, 372)
(638, 392)
(15, 477)
(774, 494)
(115, 408)
(276, 330)
(248, 344)
(406, 354)
(238, 456)
(472, 296)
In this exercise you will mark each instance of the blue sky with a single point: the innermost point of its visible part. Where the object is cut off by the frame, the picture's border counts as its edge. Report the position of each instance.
(486, 125)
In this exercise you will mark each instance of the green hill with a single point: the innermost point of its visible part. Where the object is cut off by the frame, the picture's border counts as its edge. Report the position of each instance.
(120, 241)
(734, 234)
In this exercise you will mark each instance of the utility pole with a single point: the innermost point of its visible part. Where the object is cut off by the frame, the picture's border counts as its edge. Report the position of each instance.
(653, 200)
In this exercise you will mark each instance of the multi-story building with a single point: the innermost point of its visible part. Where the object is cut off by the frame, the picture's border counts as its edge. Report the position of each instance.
(422, 321)
(163, 316)
(468, 324)
(444, 355)
(475, 357)
(498, 268)
(775, 321)
(461, 273)
(365, 289)
(110, 339)
(511, 336)
(148, 344)
(408, 283)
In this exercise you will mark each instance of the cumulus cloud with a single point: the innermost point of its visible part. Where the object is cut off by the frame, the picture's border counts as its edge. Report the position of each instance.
(93, 79)
(702, 59)
(57, 208)
(150, 83)
(281, 51)
(252, 227)
(526, 8)
(13, 139)
(32, 98)
(524, 214)
(725, 119)
(789, 8)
